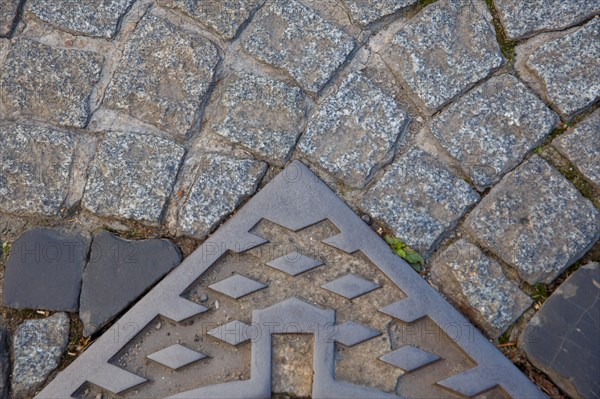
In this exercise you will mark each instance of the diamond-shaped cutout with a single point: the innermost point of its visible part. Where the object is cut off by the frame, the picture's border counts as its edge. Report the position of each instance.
(237, 286)
(234, 332)
(409, 358)
(176, 356)
(350, 286)
(294, 263)
(351, 333)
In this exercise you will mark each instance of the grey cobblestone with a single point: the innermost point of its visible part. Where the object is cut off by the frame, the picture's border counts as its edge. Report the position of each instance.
(289, 35)
(536, 221)
(582, 146)
(132, 176)
(163, 76)
(420, 200)
(567, 67)
(365, 12)
(57, 92)
(444, 50)
(89, 17)
(354, 131)
(492, 127)
(8, 12)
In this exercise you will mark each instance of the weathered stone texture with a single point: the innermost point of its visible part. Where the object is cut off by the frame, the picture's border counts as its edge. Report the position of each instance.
(44, 270)
(99, 18)
(262, 114)
(364, 11)
(4, 363)
(58, 90)
(8, 13)
(478, 286)
(420, 200)
(289, 35)
(526, 18)
(561, 339)
(35, 166)
(132, 176)
(354, 131)
(163, 76)
(225, 17)
(536, 221)
(444, 50)
(582, 146)
(119, 271)
(38, 346)
(492, 127)
(568, 68)
(220, 186)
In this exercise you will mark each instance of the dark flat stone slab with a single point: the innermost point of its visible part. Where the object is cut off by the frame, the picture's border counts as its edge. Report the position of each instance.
(249, 339)
(44, 270)
(562, 338)
(119, 271)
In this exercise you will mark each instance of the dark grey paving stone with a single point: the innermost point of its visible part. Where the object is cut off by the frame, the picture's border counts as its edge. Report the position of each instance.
(365, 12)
(35, 166)
(245, 337)
(289, 35)
(44, 270)
(141, 88)
(8, 13)
(237, 286)
(536, 221)
(98, 18)
(419, 199)
(4, 363)
(409, 358)
(354, 131)
(294, 263)
(526, 18)
(581, 146)
(176, 356)
(562, 338)
(444, 50)
(264, 115)
(224, 17)
(567, 67)
(491, 128)
(59, 90)
(351, 286)
(119, 271)
(132, 176)
(477, 284)
(38, 346)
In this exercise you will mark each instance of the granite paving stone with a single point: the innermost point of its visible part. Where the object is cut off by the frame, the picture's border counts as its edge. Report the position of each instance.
(364, 12)
(561, 339)
(35, 165)
(132, 175)
(38, 346)
(478, 286)
(581, 146)
(4, 363)
(221, 184)
(444, 50)
(163, 76)
(354, 131)
(225, 17)
(44, 270)
(419, 199)
(568, 68)
(118, 273)
(289, 35)
(536, 221)
(8, 13)
(57, 92)
(492, 127)
(526, 18)
(98, 18)
(261, 114)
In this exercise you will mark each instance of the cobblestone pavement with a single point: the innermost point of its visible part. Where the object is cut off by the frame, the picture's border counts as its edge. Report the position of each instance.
(464, 132)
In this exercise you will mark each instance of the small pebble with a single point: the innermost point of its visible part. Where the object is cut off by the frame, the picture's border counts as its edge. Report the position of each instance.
(203, 298)
(217, 304)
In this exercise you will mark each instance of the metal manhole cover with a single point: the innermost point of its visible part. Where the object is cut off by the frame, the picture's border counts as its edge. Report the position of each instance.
(294, 295)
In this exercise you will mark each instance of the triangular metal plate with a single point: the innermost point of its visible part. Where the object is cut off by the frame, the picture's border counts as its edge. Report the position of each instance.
(297, 203)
